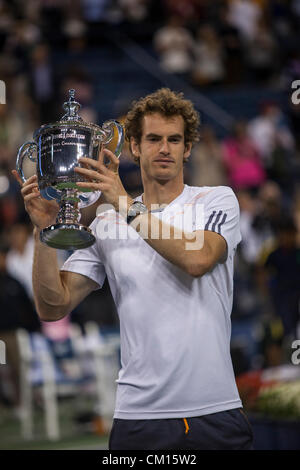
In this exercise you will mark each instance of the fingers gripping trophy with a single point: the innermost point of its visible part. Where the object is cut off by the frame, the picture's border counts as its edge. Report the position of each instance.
(54, 153)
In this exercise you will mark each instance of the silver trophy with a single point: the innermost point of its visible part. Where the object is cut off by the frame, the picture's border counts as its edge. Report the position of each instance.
(54, 154)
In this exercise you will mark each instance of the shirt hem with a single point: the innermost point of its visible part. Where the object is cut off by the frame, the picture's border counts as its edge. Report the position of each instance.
(178, 414)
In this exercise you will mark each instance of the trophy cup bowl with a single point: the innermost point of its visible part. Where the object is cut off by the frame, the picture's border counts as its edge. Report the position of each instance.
(54, 151)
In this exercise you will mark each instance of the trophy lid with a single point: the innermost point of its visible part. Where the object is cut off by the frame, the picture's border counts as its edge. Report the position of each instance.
(72, 107)
(72, 120)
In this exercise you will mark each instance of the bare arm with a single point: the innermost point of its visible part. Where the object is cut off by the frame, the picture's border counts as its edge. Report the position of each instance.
(196, 253)
(56, 293)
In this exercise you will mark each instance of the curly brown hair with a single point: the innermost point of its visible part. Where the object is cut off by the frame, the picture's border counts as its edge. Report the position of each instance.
(168, 103)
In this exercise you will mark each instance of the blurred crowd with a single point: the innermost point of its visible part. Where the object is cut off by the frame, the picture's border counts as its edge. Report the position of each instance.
(207, 44)
(230, 42)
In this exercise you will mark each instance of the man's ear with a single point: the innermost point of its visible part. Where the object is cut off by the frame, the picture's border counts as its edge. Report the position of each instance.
(134, 147)
(187, 152)
(135, 150)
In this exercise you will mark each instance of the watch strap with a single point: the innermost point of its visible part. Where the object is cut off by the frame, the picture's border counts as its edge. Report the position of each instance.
(135, 210)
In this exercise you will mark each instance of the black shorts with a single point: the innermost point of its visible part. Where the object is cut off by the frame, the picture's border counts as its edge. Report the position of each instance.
(223, 430)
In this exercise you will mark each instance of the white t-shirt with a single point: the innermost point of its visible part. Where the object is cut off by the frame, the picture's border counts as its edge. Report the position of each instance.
(175, 329)
(19, 265)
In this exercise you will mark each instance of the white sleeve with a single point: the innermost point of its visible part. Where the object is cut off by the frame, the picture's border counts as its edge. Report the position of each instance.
(222, 215)
(87, 262)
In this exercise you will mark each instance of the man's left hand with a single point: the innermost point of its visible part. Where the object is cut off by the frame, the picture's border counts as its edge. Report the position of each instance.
(104, 178)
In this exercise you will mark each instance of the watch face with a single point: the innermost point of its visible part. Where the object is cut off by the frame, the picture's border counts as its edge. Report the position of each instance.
(137, 208)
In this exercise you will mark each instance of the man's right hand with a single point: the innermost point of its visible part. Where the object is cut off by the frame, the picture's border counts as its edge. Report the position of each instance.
(41, 211)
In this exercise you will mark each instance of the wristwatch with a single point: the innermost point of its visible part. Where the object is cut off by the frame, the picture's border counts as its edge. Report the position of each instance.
(134, 210)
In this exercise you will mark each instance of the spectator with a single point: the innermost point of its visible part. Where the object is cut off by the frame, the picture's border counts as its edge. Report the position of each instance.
(244, 15)
(9, 202)
(23, 36)
(17, 122)
(19, 265)
(260, 215)
(134, 10)
(232, 46)
(252, 239)
(270, 209)
(207, 164)
(283, 270)
(6, 24)
(282, 18)
(188, 10)
(4, 134)
(174, 45)
(43, 82)
(51, 19)
(20, 256)
(267, 128)
(291, 74)
(242, 160)
(262, 54)
(16, 312)
(75, 32)
(209, 56)
(284, 168)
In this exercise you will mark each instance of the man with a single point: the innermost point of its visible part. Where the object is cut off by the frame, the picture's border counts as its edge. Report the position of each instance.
(176, 388)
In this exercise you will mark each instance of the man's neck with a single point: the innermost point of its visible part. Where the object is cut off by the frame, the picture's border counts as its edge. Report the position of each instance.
(161, 192)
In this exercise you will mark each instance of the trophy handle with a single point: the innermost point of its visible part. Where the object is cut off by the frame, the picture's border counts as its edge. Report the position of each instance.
(108, 128)
(26, 150)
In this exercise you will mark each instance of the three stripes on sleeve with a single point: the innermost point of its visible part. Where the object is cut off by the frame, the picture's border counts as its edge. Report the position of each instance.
(215, 221)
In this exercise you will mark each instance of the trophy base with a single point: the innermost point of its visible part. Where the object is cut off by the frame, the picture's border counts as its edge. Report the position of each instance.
(67, 236)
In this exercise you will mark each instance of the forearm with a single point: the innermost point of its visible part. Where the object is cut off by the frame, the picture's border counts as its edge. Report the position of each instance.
(183, 249)
(51, 298)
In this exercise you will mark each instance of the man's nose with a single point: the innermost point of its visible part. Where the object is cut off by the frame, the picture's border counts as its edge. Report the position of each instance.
(164, 148)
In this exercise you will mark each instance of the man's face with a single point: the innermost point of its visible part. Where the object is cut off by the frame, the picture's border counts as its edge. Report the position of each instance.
(162, 149)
